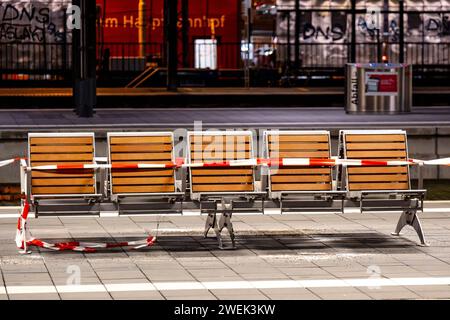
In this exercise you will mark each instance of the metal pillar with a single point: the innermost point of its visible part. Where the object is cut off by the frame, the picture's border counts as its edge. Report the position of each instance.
(185, 31)
(289, 56)
(142, 28)
(401, 36)
(353, 39)
(171, 20)
(297, 34)
(84, 60)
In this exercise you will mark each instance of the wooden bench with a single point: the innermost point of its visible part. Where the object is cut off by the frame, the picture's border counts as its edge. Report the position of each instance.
(381, 187)
(308, 188)
(215, 183)
(132, 148)
(61, 149)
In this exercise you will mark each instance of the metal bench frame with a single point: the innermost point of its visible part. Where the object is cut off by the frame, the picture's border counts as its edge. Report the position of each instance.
(303, 198)
(171, 197)
(228, 200)
(408, 201)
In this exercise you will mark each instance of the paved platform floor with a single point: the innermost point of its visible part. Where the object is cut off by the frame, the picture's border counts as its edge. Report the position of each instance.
(175, 118)
(291, 256)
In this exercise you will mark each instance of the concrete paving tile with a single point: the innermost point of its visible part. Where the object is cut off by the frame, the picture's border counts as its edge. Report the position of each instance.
(392, 295)
(86, 296)
(107, 275)
(434, 294)
(344, 296)
(40, 296)
(241, 297)
(83, 280)
(184, 293)
(194, 297)
(293, 296)
(147, 295)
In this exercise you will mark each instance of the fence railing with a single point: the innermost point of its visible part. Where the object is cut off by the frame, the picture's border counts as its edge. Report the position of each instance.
(55, 58)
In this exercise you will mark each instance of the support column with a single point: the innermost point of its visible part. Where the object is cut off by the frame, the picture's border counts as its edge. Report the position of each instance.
(401, 40)
(297, 34)
(353, 35)
(84, 60)
(142, 28)
(185, 31)
(171, 20)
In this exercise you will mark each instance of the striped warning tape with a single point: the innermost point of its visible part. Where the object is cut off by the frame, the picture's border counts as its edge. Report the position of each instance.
(24, 239)
(280, 162)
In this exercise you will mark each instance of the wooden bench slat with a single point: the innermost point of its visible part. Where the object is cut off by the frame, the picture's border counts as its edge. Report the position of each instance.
(222, 187)
(376, 154)
(378, 186)
(144, 189)
(378, 177)
(64, 181)
(143, 181)
(376, 146)
(167, 156)
(142, 173)
(219, 172)
(296, 170)
(222, 179)
(298, 138)
(48, 163)
(127, 140)
(136, 148)
(62, 149)
(60, 140)
(219, 139)
(64, 174)
(57, 157)
(221, 157)
(299, 154)
(303, 178)
(128, 162)
(298, 146)
(375, 137)
(302, 187)
(63, 190)
(223, 146)
(377, 170)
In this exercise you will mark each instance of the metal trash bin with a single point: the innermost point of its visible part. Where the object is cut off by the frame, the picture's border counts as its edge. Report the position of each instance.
(378, 88)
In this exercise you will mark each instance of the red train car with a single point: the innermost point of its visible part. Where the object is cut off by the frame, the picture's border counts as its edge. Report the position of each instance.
(214, 31)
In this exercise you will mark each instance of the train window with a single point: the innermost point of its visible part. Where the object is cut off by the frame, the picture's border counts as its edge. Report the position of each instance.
(206, 54)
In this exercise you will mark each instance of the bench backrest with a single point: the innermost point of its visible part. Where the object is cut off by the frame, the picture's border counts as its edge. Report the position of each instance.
(298, 144)
(220, 146)
(61, 149)
(146, 148)
(376, 145)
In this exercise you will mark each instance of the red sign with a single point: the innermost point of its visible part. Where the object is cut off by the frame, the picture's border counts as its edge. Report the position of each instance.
(381, 83)
(208, 19)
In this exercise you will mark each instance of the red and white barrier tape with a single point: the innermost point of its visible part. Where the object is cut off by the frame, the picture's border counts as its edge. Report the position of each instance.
(8, 162)
(24, 239)
(307, 162)
(438, 162)
(90, 247)
(281, 162)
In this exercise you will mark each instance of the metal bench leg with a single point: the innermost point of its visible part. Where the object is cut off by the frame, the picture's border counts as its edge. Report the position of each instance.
(225, 222)
(410, 218)
(211, 222)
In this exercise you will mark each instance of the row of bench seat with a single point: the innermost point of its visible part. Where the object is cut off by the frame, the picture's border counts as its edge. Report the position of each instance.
(223, 188)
